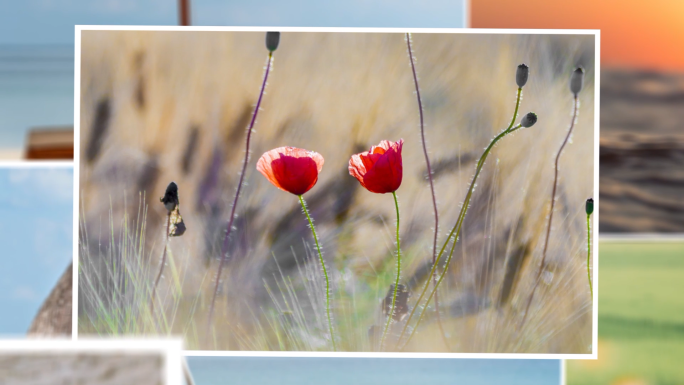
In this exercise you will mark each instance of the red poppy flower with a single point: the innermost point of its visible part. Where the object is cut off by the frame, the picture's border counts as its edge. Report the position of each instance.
(291, 169)
(380, 169)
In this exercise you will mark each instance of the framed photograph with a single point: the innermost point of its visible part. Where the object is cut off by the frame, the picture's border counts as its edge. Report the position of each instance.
(337, 191)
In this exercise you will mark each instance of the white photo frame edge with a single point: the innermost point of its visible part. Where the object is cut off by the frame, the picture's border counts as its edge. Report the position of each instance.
(595, 215)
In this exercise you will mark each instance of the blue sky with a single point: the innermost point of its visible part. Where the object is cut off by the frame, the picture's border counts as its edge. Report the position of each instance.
(35, 239)
(52, 21)
(372, 371)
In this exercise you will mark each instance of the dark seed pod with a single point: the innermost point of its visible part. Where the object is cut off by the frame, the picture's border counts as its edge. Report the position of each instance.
(170, 198)
(272, 40)
(522, 74)
(590, 206)
(529, 120)
(577, 80)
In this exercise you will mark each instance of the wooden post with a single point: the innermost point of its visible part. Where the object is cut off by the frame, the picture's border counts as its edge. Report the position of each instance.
(184, 12)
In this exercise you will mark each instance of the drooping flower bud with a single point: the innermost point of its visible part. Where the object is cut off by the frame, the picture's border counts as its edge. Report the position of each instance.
(272, 40)
(522, 74)
(577, 80)
(529, 120)
(590, 206)
(170, 198)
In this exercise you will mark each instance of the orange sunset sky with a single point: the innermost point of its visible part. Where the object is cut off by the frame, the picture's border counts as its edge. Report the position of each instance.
(647, 34)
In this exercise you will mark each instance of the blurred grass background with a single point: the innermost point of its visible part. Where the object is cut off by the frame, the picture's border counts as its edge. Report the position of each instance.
(641, 317)
(162, 106)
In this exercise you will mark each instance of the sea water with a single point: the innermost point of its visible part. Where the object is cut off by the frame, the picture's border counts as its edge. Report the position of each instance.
(36, 90)
(371, 371)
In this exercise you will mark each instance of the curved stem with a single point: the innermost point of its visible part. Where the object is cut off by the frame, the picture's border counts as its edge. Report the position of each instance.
(591, 289)
(432, 186)
(455, 231)
(229, 227)
(163, 262)
(390, 315)
(459, 225)
(325, 272)
(553, 202)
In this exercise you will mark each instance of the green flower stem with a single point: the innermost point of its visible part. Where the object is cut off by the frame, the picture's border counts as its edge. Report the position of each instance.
(591, 289)
(456, 230)
(458, 226)
(325, 272)
(396, 283)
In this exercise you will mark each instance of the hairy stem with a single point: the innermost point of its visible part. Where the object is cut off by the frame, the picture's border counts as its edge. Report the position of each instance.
(396, 283)
(163, 262)
(325, 272)
(455, 231)
(553, 202)
(229, 227)
(459, 225)
(591, 289)
(432, 186)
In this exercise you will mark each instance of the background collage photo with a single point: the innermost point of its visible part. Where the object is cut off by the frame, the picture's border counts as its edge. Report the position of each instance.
(209, 192)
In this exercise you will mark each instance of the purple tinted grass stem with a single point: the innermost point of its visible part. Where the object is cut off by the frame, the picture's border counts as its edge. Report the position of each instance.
(229, 227)
(432, 187)
(163, 262)
(553, 201)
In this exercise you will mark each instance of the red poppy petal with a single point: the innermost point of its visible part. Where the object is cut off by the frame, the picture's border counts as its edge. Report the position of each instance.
(385, 145)
(384, 177)
(318, 158)
(291, 169)
(357, 168)
(379, 170)
(264, 166)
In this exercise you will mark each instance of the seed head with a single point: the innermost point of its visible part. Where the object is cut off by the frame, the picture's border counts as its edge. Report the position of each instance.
(522, 74)
(590, 206)
(272, 40)
(577, 80)
(170, 198)
(529, 120)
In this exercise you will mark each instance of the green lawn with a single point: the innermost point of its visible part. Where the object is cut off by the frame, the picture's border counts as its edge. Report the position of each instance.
(641, 317)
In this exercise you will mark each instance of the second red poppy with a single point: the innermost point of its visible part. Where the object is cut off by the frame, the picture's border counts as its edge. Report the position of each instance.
(379, 169)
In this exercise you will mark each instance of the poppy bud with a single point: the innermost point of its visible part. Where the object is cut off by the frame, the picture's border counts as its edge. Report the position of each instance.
(529, 120)
(272, 40)
(577, 80)
(170, 198)
(522, 74)
(590, 206)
